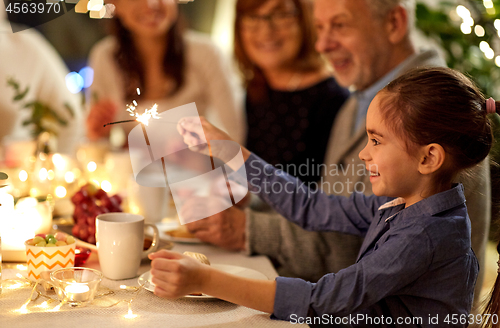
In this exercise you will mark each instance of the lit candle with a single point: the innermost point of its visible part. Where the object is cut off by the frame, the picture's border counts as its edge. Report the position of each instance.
(6, 216)
(77, 292)
(29, 218)
(6, 211)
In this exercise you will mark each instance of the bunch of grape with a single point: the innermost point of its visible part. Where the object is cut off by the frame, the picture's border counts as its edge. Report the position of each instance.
(89, 203)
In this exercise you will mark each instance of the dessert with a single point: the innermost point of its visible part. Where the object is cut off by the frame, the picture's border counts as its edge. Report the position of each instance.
(200, 258)
(59, 239)
(180, 232)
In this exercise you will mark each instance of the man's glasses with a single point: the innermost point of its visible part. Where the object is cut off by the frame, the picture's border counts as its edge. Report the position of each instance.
(277, 20)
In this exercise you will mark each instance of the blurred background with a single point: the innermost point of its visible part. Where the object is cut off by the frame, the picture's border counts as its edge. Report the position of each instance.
(467, 32)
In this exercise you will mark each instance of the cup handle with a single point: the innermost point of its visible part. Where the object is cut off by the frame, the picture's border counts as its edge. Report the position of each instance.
(154, 244)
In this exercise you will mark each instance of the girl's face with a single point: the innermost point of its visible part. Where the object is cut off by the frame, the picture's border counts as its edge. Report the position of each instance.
(393, 171)
(271, 35)
(147, 18)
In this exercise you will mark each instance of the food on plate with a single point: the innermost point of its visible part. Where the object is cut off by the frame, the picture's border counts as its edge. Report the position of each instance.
(91, 201)
(201, 258)
(180, 232)
(198, 256)
(59, 239)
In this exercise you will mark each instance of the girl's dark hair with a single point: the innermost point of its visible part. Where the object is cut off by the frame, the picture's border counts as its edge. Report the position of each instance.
(307, 59)
(440, 105)
(492, 306)
(131, 66)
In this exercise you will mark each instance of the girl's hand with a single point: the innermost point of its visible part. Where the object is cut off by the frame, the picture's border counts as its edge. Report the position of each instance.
(197, 131)
(101, 113)
(176, 275)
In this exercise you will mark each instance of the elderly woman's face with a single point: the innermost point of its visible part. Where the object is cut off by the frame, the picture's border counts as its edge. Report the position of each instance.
(271, 35)
(147, 18)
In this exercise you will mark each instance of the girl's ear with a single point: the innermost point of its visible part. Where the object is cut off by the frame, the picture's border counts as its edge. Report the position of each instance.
(431, 159)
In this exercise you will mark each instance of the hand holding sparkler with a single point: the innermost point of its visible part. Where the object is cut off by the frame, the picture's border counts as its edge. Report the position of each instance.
(103, 111)
(194, 130)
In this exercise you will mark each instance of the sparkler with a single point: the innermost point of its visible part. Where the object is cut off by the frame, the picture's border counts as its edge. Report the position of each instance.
(144, 118)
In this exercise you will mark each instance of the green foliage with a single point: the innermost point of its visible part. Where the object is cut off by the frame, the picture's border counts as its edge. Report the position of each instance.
(462, 50)
(43, 118)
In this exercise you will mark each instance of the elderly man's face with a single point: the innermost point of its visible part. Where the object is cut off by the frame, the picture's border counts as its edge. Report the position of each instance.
(353, 41)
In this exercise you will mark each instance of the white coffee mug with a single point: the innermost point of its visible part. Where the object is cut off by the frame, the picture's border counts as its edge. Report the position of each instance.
(150, 202)
(120, 243)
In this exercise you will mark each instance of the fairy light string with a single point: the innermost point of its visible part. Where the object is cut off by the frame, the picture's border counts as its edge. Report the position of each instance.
(38, 291)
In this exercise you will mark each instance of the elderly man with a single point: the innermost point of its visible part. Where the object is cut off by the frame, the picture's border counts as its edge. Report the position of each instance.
(368, 44)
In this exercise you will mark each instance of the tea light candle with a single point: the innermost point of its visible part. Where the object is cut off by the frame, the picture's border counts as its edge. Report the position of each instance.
(28, 218)
(77, 292)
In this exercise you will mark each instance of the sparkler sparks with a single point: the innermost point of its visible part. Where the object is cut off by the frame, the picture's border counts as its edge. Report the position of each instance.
(142, 118)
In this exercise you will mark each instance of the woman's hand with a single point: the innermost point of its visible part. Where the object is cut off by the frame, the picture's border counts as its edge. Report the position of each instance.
(101, 113)
(176, 275)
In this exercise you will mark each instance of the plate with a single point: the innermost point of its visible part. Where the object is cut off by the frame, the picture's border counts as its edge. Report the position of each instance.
(163, 227)
(232, 269)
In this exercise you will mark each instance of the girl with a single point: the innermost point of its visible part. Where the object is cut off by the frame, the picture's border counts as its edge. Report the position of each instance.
(416, 265)
(149, 50)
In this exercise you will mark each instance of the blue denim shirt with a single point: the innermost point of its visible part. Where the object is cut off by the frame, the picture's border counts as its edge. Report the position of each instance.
(415, 263)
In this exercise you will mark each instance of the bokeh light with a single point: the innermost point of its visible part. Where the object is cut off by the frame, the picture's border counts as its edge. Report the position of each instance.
(74, 82)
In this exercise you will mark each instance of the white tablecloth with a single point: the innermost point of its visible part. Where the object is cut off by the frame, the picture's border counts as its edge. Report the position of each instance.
(151, 311)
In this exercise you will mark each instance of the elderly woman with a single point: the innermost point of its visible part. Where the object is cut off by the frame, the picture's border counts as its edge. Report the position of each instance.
(291, 97)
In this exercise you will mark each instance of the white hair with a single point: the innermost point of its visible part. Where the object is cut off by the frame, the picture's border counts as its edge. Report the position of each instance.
(381, 8)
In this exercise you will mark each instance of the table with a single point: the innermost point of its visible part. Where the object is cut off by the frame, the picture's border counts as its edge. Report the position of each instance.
(150, 310)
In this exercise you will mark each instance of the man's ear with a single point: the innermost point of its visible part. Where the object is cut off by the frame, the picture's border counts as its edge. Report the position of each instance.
(396, 24)
(431, 158)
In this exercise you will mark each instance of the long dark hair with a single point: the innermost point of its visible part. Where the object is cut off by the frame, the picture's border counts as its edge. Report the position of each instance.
(132, 68)
(307, 59)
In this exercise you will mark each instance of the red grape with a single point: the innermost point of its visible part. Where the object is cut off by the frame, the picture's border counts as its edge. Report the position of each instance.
(91, 201)
(75, 230)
